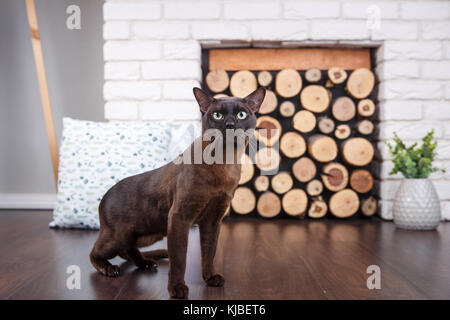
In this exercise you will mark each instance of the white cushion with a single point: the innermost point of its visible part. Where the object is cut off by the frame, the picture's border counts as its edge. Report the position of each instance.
(96, 155)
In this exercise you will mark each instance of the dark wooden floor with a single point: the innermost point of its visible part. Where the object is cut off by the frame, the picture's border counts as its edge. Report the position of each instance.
(259, 259)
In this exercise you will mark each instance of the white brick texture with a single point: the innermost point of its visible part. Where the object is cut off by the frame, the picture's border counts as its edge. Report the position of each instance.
(153, 55)
(311, 9)
(249, 11)
(131, 10)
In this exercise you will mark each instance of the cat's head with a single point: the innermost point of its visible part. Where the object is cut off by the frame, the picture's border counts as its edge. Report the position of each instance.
(229, 113)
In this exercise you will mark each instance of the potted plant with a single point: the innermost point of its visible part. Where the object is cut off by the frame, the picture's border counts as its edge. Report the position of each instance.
(416, 204)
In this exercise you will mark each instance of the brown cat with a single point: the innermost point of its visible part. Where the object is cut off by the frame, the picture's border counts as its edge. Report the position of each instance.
(142, 209)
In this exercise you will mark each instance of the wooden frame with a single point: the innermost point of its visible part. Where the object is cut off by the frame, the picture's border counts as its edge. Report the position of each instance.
(294, 58)
(43, 87)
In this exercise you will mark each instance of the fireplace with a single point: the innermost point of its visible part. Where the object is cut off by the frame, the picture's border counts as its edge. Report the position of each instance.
(321, 107)
(154, 55)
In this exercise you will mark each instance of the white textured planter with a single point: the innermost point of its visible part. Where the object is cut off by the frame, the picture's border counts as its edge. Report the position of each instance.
(416, 205)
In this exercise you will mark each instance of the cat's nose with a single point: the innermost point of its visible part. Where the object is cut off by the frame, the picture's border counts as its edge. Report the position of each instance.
(229, 125)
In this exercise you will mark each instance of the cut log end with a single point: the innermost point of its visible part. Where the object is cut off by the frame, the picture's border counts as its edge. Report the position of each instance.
(313, 75)
(264, 78)
(282, 182)
(247, 169)
(267, 159)
(243, 83)
(360, 83)
(269, 104)
(292, 145)
(315, 98)
(217, 80)
(342, 131)
(304, 121)
(318, 209)
(268, 130)
(244, 201)
(335, 176)
(287, 109)
(357, 151)
(343, 109)
(369, 206)
(361, 181)
(262, 183)
(314, 187)
(337, 75)
(295, 202)
(288, 83)
(344, 203)
(322, 148)
(269, 205)
(304, 169)
(366, 108)
(365, 127)
(326, 125)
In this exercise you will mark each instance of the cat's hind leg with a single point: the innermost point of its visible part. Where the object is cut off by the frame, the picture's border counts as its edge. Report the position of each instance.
(103, 251)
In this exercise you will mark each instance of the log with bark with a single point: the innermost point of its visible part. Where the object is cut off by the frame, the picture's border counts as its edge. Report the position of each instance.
(269, 205)
(318, 208)
(335, 176)
(337, 75)
(288, 83)
(357, 151)
(342, 131)
(344, 204)
(292, 144)
(217, 80)
(295, 202)
(322, 148)
(243, 83)
(244, 200)
(304, 169)
(369, 206)
(315, 98)
(366, 107)
(304, 121)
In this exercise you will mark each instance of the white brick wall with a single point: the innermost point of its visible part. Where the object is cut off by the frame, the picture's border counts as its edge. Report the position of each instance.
(152, 56)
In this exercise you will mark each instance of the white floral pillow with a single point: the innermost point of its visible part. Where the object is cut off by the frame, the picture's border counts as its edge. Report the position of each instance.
(96, 155)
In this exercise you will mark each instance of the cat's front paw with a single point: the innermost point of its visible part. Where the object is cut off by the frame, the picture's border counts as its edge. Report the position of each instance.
(215, 281)
(148, 264)
(112, 271)
(179, 291)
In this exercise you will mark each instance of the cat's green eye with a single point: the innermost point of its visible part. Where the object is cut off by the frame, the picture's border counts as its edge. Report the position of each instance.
(242, 115)
(217, 116)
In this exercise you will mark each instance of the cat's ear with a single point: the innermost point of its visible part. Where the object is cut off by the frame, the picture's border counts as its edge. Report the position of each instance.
(255, 99)
(204, 100)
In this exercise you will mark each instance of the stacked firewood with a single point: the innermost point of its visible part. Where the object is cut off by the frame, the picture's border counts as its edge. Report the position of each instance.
(323, 125)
